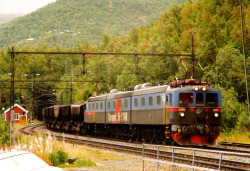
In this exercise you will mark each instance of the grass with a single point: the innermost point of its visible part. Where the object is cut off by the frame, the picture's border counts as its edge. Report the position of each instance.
(235, 136)
(84, 157)
(52, 151)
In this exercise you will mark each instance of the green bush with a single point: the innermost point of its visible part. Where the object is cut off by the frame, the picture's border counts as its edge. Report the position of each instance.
(234, 113)
(5, 133)
(59, 157)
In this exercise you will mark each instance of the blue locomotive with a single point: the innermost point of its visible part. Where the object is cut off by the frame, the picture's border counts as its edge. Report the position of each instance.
(183, 112)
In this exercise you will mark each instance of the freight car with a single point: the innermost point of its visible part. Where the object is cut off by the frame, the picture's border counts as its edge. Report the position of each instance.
(183, 112)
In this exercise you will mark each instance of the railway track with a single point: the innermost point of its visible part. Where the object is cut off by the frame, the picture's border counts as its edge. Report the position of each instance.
(214, 158)
(30, 129)
(232, 144)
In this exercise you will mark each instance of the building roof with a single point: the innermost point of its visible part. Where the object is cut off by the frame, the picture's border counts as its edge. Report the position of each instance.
(17, 105)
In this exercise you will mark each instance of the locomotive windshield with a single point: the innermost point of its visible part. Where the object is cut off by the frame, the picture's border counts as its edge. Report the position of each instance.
(199, 98)
(212, 99)
(186, 98)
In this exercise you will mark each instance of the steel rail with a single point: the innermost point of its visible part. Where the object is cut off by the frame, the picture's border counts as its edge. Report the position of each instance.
(233, 144)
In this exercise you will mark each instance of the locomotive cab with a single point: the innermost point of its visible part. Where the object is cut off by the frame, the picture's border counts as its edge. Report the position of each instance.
(195, 117)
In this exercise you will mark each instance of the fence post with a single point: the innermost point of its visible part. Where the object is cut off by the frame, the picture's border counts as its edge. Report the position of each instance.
(143, 157)
(220, 161)
(193, 158)
(157, 158)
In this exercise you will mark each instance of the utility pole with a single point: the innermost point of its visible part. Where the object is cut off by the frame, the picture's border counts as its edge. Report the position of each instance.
(12, 96)
(71, 87)
(192, 54)
(97, 79)
(66, 67)
(136, 64)
(83, 64)
(244, 55)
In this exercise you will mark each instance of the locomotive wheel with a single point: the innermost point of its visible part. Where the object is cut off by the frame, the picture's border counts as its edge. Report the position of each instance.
(146, 136)
(172, 142)
(131, 134)
(122, 136)
(153, 136)
(143, 136)
(157, 137)
(116, 136)
(107, 133)
(138, 136)
(164, 142)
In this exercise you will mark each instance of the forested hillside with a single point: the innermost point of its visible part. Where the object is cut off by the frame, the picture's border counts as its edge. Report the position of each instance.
(89, 20)
(217, 43)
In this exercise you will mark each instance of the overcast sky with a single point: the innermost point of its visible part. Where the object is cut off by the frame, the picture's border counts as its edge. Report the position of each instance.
(21, 6)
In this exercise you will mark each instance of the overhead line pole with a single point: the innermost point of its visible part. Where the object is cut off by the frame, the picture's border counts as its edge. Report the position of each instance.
(192, 54)
(71, 85)
(244, 55)
(12, 52)
(12, 95)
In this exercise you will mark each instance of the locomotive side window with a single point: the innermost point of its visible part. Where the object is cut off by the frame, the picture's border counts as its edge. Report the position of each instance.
(97, 105)
(158, 100)
(166, 98)
(186, 98)
(126, 103)
(212, 99)
(108, 105)
(170, 98)
(114, 104)
(93, 106)
(150, 101)
(120, 104)
(143, 101)
(101, 105)
(89, 106)
(199, 98)
(136, 102)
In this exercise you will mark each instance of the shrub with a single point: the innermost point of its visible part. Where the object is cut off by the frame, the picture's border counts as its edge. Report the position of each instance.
(5, 133)
(58, 157)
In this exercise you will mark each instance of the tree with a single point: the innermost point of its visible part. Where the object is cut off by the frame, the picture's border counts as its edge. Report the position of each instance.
(234, 113)
(5, 132)
(228, 71)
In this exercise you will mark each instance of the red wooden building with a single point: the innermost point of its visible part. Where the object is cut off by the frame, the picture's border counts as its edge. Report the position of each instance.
(21, 114)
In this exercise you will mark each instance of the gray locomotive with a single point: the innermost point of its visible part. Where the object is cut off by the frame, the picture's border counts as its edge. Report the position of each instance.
(183, 112)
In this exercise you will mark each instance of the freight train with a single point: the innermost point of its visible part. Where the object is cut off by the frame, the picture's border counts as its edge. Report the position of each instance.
(182, 112)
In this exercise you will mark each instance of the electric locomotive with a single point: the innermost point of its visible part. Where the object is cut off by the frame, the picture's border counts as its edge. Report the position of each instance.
(195, 114)
(183, 112)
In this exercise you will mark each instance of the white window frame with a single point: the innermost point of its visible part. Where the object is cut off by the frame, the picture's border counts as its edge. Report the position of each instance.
(18, 116)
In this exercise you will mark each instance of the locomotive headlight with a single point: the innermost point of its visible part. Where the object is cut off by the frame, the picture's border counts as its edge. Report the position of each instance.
(216, 115)
(182, 114)
(204, 88)
(196, 88)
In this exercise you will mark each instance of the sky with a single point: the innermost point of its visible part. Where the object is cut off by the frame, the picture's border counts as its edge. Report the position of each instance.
(22, 6)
